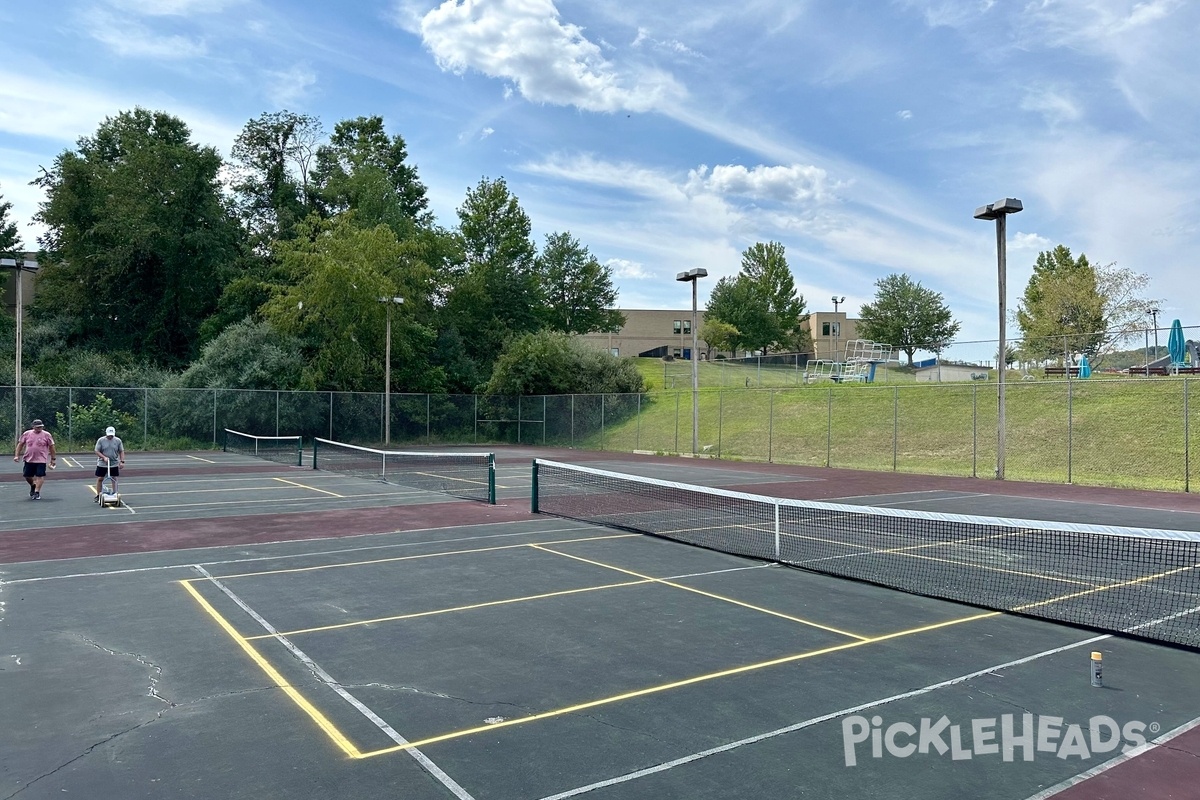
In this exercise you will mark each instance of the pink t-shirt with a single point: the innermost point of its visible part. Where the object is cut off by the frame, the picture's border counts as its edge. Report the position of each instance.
(37, 446)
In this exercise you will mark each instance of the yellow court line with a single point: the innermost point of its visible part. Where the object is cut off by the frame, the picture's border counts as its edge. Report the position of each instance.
(302, 486)
(472, 607)
(809, 623)
(316, 716)
(673, 685)
(996, 569)
(410, 558)
(205, 460)
(1098, 589)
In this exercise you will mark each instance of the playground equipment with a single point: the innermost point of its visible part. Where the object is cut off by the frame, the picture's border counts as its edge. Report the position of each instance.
(862, 358)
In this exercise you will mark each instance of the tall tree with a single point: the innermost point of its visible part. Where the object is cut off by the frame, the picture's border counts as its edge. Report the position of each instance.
(1072, 307)
(761, 303)
(363, 170)
(497, 293)
(10, 237)
(907, 316)
(579, 290)
(273, 157)
(767, 268)
(336, 274)
(137, 237)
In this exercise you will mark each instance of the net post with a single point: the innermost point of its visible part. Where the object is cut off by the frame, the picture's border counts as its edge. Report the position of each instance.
(225, 441)
(533, 495)
(315, 441)
(300, 452)
(491, 479)
(776, 504)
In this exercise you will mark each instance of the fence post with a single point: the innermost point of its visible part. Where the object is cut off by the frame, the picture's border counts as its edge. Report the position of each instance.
(637, 444)
(330, 417)
(771, 427)
(720, 418)
(573, 418)
(895, 426)
(601, 422)
(1187, 464)
(428, 422)
(276, 412)
(145, 418)
(520, 415)
(1070, 424)
(974, 431)
(70, 415)
(543, 420)
(829, 429)
(214, 428)
(677, 422)
(475, 436)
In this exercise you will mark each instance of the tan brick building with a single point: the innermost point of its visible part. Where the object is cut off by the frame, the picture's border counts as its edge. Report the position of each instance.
(654, 333)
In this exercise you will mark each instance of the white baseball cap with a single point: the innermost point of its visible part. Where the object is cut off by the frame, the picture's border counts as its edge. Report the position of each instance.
(110, 431)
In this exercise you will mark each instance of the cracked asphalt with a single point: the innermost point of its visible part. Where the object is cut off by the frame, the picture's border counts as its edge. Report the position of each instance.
(529, 673)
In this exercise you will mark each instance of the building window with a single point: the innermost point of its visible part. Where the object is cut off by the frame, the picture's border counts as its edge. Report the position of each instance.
(616, 351)
(678, 326)
(687, 326)
(831, 328)
(826, 332)
(679, 353)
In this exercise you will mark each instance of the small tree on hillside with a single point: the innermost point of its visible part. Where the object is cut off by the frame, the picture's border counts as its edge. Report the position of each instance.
(907, 316)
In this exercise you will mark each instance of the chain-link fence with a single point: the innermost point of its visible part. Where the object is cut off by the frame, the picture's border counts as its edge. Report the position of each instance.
(1128, 433)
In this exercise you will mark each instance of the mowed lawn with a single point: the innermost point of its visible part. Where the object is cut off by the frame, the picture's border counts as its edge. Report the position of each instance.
(1129, 432)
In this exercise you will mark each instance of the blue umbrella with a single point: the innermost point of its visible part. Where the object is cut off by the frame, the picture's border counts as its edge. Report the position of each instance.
(1085, 369)
(1176, 344)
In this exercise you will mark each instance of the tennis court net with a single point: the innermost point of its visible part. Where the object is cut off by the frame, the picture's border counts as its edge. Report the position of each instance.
(280, 449)
(471, 476)
(1133, 581)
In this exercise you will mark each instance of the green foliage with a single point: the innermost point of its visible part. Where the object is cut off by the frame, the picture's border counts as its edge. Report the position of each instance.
(719, 335)
(550, 362)
(273, 155)
(246, 355)
(137, 238)
(498, 295)
(579, 291)
(1071, 307)
(907, 316)
(10, 237)
(88, 422)
(364, 171)
(759, 307)
(336, 275)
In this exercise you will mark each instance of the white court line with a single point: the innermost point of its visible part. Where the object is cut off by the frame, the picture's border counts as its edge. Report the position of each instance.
(808, 723)
(338, 551)
(430, 767)
(205, 460)
(1117, 761)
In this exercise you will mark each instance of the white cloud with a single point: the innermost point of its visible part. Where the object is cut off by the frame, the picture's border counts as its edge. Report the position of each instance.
(904, 114)
(486, 132)
(162, 8)
(525, 42)
(794, 183)
(289, 88)
(626, 269)
(1030, 241)
(1055, 105)
(130, 39)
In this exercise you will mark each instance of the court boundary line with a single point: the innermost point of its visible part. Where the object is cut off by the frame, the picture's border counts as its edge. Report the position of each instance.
(1117, 761)
(433, 769)
(696, 679)
(505, 601)
(678, 762)
(189, 564)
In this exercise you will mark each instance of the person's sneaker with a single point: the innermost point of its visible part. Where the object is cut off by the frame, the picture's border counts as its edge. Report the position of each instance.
(37, 495)
(31, 491)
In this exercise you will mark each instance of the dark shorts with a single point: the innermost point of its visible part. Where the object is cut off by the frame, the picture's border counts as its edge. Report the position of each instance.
(33, 470)
(102, 472)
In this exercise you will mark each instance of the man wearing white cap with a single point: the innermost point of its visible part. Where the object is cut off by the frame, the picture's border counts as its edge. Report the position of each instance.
(108, 448)
(37, 446)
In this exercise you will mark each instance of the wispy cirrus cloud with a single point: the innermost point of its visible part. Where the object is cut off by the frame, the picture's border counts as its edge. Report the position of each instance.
(128, 38)
(527, 43)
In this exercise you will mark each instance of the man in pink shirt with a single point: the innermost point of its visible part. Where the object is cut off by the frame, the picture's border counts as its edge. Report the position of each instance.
(37, 446)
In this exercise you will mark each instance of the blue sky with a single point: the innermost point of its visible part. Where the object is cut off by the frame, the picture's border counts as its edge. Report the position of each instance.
(671, 135)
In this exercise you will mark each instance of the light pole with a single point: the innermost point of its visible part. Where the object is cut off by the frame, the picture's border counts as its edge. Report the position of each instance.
(998, 211)
(836, 325)
(19, 267)
(692, 276)
(1154, 312)
(387, 370)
